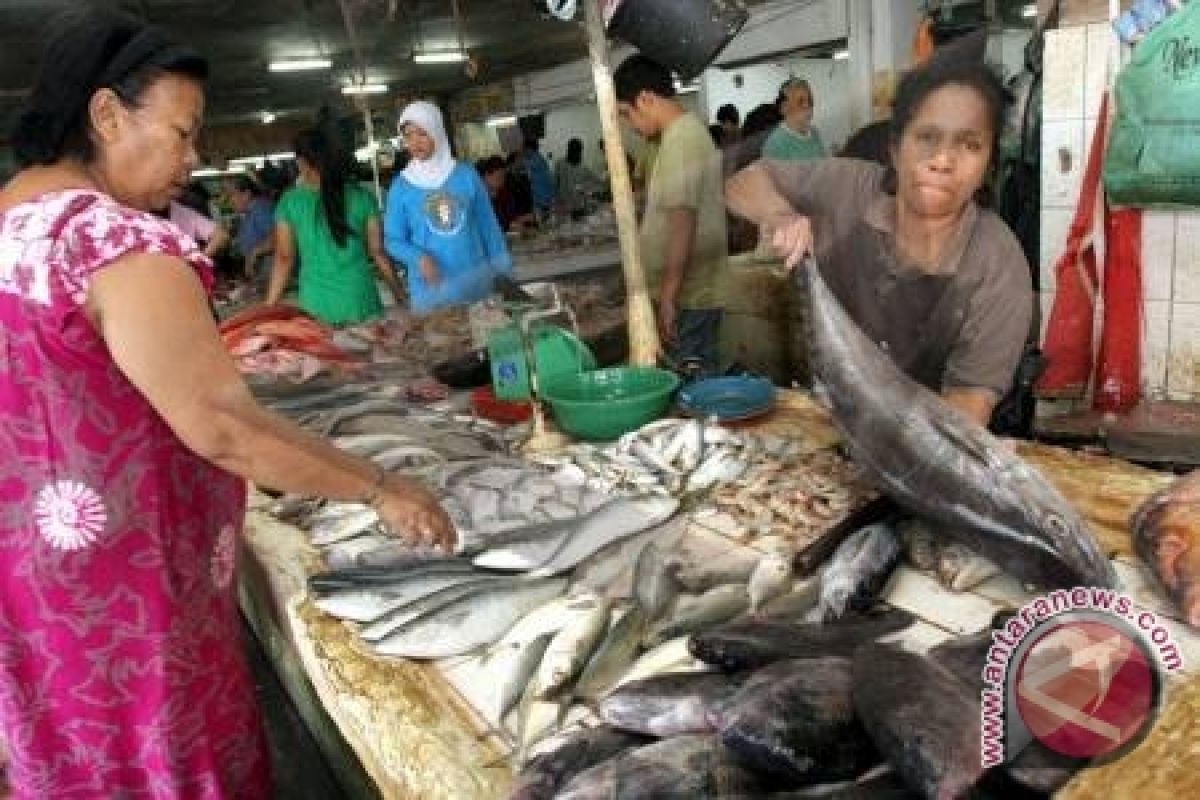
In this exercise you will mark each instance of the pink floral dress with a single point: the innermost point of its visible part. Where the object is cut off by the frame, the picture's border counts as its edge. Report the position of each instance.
(121, 669)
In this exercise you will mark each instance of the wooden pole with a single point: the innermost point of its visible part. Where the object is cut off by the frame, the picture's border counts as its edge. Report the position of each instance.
(643, 331)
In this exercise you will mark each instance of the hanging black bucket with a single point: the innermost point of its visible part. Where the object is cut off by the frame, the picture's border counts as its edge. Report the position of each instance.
(682, 35)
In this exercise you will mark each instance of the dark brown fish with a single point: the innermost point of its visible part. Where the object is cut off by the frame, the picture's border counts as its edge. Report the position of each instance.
(940, 465)
(922, 719)
(750, 644)
(670, 704)
(547, 772)
(1166, 535)
(795, 722)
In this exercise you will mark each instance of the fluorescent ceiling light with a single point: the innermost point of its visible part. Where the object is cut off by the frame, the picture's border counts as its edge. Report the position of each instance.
(501, 121)
(1029, 10)
(365, 88)
(686, 88)
(298, 64)
(841, 55)
(213, 172)
(440, 57)
(259, 160)
(267, 117)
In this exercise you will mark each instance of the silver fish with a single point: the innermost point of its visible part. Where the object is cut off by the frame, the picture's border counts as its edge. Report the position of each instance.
(396, 618)
(672, 656)
(853, 578)
(469, 622)
(735, 567)
(344, 527)
(617, 520)
(572, 646)
(655, 586)
(527, 547)
(613, 656)
(795, 604)
(693, 613)
(933, 460)
(511, 667)
(770, 578)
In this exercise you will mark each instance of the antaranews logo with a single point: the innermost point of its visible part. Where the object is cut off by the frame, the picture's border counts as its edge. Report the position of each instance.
(1080, 671)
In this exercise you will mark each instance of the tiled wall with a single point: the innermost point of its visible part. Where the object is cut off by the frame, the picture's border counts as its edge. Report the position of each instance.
(1076, 69)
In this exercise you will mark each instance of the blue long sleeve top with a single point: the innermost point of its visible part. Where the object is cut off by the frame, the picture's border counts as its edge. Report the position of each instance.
(456, 226)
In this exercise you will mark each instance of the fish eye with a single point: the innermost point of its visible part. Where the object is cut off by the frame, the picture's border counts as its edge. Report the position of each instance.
(1056, 524)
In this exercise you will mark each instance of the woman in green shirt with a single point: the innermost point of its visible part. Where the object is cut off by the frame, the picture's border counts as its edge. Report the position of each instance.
(333, 223)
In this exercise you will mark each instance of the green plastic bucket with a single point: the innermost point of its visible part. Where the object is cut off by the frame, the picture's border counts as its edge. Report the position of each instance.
(605, 403)
(558, 352)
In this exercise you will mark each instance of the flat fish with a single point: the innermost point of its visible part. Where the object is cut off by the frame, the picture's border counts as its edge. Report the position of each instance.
(796, 723)
(609, 523)
(933, 460)
(469, 622)
(395, 618)
(546, 773)
(670, 704)
(527, 547)
(614, 655)
(854, 577)
(921, 718)
(749, 644)
(693, 613)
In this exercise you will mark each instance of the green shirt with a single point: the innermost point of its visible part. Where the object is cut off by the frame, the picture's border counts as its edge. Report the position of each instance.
(337, 284)
(784, 144)
(687, 174)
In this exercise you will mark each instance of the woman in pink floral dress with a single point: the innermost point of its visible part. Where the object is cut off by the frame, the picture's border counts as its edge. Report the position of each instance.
(126, 435)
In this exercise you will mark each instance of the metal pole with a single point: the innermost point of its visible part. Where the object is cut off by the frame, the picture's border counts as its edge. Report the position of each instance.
(643, 331)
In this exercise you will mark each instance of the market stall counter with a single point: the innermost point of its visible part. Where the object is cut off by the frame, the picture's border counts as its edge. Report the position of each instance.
(445, 709)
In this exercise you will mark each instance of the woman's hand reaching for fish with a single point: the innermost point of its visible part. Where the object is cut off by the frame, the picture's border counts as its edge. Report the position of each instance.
(411, 512)
(790, 237)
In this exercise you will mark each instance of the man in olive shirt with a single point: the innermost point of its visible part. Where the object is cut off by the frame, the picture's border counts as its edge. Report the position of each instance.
(683, 228)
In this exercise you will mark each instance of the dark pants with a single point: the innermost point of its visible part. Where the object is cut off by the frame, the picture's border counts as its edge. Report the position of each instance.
(697, 333)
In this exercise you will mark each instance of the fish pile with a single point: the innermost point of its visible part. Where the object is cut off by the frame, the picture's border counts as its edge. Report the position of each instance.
(786, 503)
(934, 461)
(282, 342)
(955, 566)
(675, 457)
(795, 710)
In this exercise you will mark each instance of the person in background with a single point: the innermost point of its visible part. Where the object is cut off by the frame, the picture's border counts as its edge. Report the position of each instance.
(574, 182)
(333, 224)
(440, 222)
(504, 203)
(128, 436)
(203, 229)
(795, 139)
(255, 240)
(729, 119)
(762, 119)
(541, 180)
(940, 283)
(683, 228)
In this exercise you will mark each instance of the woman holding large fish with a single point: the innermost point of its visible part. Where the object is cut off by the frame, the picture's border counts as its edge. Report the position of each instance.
(938, 282)
(127, 436)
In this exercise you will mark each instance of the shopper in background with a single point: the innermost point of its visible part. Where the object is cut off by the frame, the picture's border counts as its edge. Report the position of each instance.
(795, 139)
(504, 202)
(683, 228)
(333, 224)
(574, 182)
(729, 119)
(203, 230)
(541, 180)
(440, 222)
(127, 437)
(941, 283)
(255, 240)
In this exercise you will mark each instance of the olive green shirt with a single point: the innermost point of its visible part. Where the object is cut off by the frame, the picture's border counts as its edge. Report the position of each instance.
(687, 175)
(337, 284)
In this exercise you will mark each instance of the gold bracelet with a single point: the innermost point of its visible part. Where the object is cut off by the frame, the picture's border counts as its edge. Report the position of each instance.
(374, 492)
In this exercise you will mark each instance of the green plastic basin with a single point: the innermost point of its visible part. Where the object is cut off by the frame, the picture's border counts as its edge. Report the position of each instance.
(605, 403)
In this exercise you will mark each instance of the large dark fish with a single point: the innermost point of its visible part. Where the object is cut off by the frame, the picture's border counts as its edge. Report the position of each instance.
(682, 768)
(750, 644)
(878, 784)
(1166, 535)
(855, 575)
(795, 722)
(922, 719)
(1037, 768)
(671, 704)
(934, 461)
(547, 772)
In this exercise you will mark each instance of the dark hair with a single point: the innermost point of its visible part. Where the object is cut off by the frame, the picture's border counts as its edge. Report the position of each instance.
(639, 74)
(196, 197)
(794, 83)
(314, 147)
(717, 133)
(487, 166)
(761, 118)
(575, 151)
(92, 49)
(531, 143)
(916, 85)
(728, 113)
(244, 183)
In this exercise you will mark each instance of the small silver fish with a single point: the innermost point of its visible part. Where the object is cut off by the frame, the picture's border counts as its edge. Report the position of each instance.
(614, 655)
(854, 576)
(770, 578)
(693, 613)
